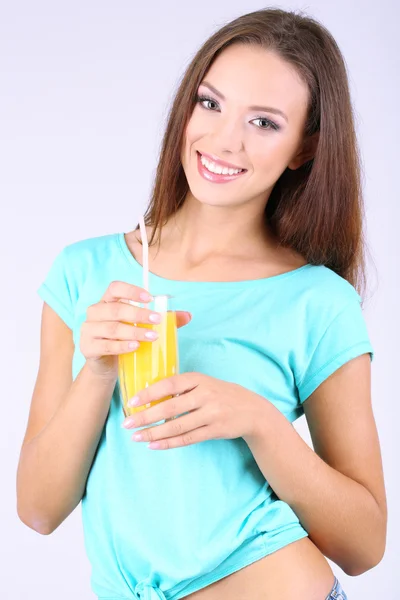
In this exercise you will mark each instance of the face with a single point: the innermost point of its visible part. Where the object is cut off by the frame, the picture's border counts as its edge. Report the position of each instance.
(225, 125)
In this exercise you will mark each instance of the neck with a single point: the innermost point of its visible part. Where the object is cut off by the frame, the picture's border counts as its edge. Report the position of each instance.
(199, 231)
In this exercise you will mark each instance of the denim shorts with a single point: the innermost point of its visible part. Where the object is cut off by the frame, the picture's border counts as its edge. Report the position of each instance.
(336, 592)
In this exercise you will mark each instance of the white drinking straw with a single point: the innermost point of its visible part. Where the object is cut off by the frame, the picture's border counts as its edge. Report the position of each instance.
(145, 246)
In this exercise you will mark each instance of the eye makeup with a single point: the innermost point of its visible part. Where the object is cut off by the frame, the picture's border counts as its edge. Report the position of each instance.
(200, 98)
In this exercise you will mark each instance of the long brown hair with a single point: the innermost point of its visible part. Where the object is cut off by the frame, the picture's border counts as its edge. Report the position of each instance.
(317, 209)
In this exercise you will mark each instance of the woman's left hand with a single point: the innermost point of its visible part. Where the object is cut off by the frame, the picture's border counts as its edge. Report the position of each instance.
(210, 409)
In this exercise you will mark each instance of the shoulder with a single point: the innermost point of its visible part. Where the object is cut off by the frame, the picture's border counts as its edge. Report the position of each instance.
(331, 327)
(87, 248)
(325, 302)
(326, 291)
(88, 260)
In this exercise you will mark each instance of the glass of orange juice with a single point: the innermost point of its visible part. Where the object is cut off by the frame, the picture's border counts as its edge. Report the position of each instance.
(152, 361)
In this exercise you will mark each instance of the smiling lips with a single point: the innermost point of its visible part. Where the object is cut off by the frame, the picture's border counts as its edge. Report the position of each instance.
(217, 161)
(206, 160)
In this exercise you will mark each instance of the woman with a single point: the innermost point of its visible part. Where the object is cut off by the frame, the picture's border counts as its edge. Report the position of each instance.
(257, 214)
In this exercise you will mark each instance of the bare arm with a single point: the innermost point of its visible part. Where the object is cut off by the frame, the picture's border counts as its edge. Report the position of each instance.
(337, 491)
(67, 418)
(64, 428)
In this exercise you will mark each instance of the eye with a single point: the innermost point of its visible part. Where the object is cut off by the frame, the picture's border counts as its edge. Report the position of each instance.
(269, 124)
(200, 99)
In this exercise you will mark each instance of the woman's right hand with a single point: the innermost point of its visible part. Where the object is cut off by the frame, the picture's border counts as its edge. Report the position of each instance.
(105, 334)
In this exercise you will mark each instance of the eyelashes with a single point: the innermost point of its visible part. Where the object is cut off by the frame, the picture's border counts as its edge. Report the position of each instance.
(270, 124)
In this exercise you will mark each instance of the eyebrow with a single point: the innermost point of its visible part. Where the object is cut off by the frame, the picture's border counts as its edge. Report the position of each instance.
(262, 108)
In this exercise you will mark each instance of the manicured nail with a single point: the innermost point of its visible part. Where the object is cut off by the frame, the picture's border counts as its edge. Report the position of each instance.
(154, 445)
(133, 401)
(155, 318)
(129, 422)
(151, 335)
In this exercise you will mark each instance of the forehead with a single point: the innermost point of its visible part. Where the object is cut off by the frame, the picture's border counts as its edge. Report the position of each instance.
(250, 75)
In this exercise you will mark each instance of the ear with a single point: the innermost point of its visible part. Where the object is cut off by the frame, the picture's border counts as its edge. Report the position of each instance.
(307, 152)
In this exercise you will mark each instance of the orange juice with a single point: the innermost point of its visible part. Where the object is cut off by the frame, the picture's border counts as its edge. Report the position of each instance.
(152, 362)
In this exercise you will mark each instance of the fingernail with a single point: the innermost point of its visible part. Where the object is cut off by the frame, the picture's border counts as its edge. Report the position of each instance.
(133, 401)
(155, 318)
(154, 445)
(128, 422)
(151, 335)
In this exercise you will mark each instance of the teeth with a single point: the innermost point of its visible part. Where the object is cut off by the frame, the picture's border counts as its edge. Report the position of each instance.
(214, 168)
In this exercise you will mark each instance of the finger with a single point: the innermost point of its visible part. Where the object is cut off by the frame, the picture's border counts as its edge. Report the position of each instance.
(109, 348)
(164, 410)
(122, 289)
(179, 427)
(170, 386)
(182, 318)
(114, 330)
(122, 311)
(187, 439)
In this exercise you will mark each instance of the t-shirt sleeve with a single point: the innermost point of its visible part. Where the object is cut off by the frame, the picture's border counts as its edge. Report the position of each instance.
(57, 288)
(346, 337)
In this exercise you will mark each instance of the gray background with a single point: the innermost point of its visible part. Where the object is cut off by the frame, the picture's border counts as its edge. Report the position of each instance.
(85, 88)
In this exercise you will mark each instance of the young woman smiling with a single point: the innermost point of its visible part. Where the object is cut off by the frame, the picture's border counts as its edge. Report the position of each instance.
(255, 228)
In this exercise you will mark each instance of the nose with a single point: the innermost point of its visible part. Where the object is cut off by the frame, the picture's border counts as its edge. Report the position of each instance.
(228, 137)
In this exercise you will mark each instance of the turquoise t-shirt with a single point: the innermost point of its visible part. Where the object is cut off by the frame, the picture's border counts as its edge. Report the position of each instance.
(163, 524)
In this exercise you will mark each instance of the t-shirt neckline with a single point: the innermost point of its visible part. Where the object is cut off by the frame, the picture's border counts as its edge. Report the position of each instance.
(220, 284)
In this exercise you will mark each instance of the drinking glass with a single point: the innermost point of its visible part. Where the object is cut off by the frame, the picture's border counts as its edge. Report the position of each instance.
(152, 361)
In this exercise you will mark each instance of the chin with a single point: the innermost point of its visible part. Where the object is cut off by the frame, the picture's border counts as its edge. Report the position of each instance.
(209, 199)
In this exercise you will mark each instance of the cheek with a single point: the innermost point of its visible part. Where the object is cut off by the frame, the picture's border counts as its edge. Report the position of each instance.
(270, 156)
(192, 134)
(186, 145)
(194, 131)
